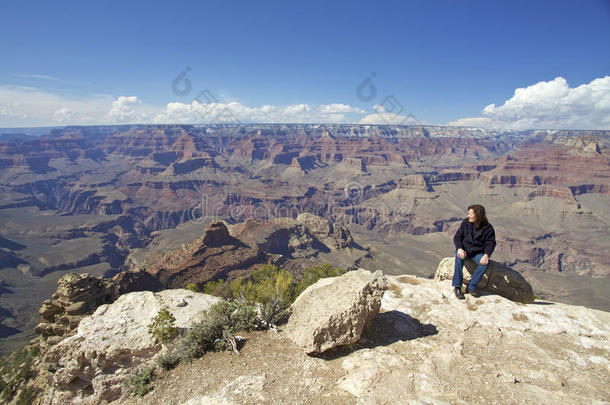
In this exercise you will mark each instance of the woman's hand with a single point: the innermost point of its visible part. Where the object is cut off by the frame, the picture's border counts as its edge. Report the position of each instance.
(461, 254)
(485, 259)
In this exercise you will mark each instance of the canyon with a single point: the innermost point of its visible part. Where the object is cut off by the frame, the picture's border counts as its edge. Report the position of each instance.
(104, 199)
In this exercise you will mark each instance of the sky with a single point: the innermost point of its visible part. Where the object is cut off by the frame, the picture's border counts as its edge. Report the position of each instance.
(505, 65)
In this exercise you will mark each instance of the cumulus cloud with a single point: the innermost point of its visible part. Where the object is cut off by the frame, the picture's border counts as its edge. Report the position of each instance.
(553, 105)
(235, 112)
(63, 115)
(26, 106)
(124, 110)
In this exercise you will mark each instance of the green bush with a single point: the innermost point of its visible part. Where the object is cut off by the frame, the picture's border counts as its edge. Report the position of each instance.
(276, 289)
(221, 320)
(271, 287)
(169, 360)
(162, 327)
(193, 287)
(313, 274)
(218, 288)
(141, 382)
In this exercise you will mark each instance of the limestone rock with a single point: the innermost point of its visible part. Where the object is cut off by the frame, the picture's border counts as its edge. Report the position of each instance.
(48, 310)
(498, 279)
(76, 295)
(484, 350)
(363, 368)
(93, 363)
(80, 287)
(335, 310)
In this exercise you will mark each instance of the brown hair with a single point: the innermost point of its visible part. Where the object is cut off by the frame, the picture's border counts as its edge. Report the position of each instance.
(479, 213)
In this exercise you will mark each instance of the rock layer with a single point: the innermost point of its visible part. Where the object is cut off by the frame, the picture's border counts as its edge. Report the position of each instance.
(77, 295)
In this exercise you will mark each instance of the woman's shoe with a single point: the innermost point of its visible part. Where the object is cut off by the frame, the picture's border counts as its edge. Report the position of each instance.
(458, 293)
(474, 293)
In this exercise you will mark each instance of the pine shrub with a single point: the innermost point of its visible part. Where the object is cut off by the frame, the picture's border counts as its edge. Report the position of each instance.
(162, 327)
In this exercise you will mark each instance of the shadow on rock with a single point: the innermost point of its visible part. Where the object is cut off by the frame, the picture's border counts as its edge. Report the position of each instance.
(385, 328)
(393, 326)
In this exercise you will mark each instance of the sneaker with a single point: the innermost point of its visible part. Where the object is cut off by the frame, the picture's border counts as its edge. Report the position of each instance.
(458, 293)
(474, 293)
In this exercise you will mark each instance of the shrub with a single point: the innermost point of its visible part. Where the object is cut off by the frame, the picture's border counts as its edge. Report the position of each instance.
(218, 288)
(193, 287)
(313, 274)
(141, 382)
(220, 321)
(169, 360)
(162, 327)
(269, 286)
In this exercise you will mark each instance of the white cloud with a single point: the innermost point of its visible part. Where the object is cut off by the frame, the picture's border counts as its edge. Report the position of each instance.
(63, 115)
(26, 106)
(341, 108)
(235, 112)
(553, 105)
(124, 111)
(472, 122)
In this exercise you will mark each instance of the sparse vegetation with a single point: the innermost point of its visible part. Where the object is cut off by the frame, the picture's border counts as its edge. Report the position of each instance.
(15, 372)
(162, 327)
(169, 360)
(218, 288)
(193, 287)
(219, 322)
(273, 288)
(141, 382)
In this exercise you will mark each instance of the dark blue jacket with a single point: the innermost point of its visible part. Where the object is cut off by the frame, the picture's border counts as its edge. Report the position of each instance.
(473, 240)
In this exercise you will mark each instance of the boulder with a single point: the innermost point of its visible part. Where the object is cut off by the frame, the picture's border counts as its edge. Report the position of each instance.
(498, 279)
(334, 311)
(92, 365)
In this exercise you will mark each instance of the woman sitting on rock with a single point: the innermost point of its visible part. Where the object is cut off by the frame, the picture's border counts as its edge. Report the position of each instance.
(475, 240)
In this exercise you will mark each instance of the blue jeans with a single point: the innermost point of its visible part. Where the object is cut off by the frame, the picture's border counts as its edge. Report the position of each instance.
(458, 276)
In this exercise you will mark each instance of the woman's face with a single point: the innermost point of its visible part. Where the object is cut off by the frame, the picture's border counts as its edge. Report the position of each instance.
(471, 215)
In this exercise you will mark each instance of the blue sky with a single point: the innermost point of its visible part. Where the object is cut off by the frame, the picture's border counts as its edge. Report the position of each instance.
(442, 61)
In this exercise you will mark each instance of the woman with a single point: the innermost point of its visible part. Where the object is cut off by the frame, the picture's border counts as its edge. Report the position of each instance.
(475, 240)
